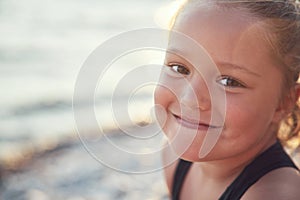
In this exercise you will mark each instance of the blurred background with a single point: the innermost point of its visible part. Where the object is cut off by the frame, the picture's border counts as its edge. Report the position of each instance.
(43, 45)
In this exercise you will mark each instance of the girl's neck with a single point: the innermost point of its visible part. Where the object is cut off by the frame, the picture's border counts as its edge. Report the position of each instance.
(229, 168)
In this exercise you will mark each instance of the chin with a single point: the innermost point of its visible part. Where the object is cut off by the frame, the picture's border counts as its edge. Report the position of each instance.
(190, 152)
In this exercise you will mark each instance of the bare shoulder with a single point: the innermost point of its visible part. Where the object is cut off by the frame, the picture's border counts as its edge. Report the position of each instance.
(282, 183)
(170, 162)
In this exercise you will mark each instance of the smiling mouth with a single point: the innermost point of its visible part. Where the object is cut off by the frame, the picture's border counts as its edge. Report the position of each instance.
(193, 124)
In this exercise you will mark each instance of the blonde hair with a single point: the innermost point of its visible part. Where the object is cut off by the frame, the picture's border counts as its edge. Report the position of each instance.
(281, 19)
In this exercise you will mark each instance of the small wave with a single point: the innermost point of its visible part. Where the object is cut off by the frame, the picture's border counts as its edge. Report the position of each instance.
(41, 107)
(63, 105)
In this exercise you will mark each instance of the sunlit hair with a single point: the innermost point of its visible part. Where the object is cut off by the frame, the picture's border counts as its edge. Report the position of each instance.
(281, 22)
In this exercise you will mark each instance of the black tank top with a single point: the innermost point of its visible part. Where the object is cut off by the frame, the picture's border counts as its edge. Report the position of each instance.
(273, 158)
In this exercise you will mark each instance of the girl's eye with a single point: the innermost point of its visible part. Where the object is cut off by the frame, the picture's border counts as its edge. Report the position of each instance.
(179, 69)
(228, 81)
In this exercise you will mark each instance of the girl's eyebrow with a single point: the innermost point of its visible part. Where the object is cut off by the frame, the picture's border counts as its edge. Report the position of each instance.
(174, 51)
(237, 67)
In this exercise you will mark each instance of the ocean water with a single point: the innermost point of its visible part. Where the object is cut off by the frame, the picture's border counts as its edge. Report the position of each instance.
(43, 45)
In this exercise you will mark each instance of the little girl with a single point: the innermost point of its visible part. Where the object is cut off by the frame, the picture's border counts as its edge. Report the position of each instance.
(255, 46)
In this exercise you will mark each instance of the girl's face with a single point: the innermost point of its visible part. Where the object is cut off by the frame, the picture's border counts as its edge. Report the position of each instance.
(247, 73)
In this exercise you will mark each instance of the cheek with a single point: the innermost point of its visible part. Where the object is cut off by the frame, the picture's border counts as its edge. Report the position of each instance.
(248, 116)
(166, 90)
(162, 99)
(239, 116)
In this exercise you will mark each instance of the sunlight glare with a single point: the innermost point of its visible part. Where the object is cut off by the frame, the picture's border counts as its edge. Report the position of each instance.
(163, 16)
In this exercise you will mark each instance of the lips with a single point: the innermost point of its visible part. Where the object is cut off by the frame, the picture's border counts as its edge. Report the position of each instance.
(193, 124)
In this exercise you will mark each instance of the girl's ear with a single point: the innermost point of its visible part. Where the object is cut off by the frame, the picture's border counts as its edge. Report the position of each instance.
(288, 103)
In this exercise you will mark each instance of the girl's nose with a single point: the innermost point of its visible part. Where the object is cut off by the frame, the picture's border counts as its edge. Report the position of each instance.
(195, 94)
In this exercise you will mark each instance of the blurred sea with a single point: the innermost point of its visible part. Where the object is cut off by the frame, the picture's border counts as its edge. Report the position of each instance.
(43, 45)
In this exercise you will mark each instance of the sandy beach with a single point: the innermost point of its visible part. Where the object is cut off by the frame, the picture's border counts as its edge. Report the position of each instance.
(69, 172)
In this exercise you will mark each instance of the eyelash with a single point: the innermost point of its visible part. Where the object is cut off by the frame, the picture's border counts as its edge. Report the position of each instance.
(235, 83)
(179, 68)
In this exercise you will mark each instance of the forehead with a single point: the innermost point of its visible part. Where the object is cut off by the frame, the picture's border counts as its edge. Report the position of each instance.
(229, 35)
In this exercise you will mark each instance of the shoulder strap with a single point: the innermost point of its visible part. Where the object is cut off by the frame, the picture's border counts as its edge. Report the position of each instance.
(273, 158)
(179, 176)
